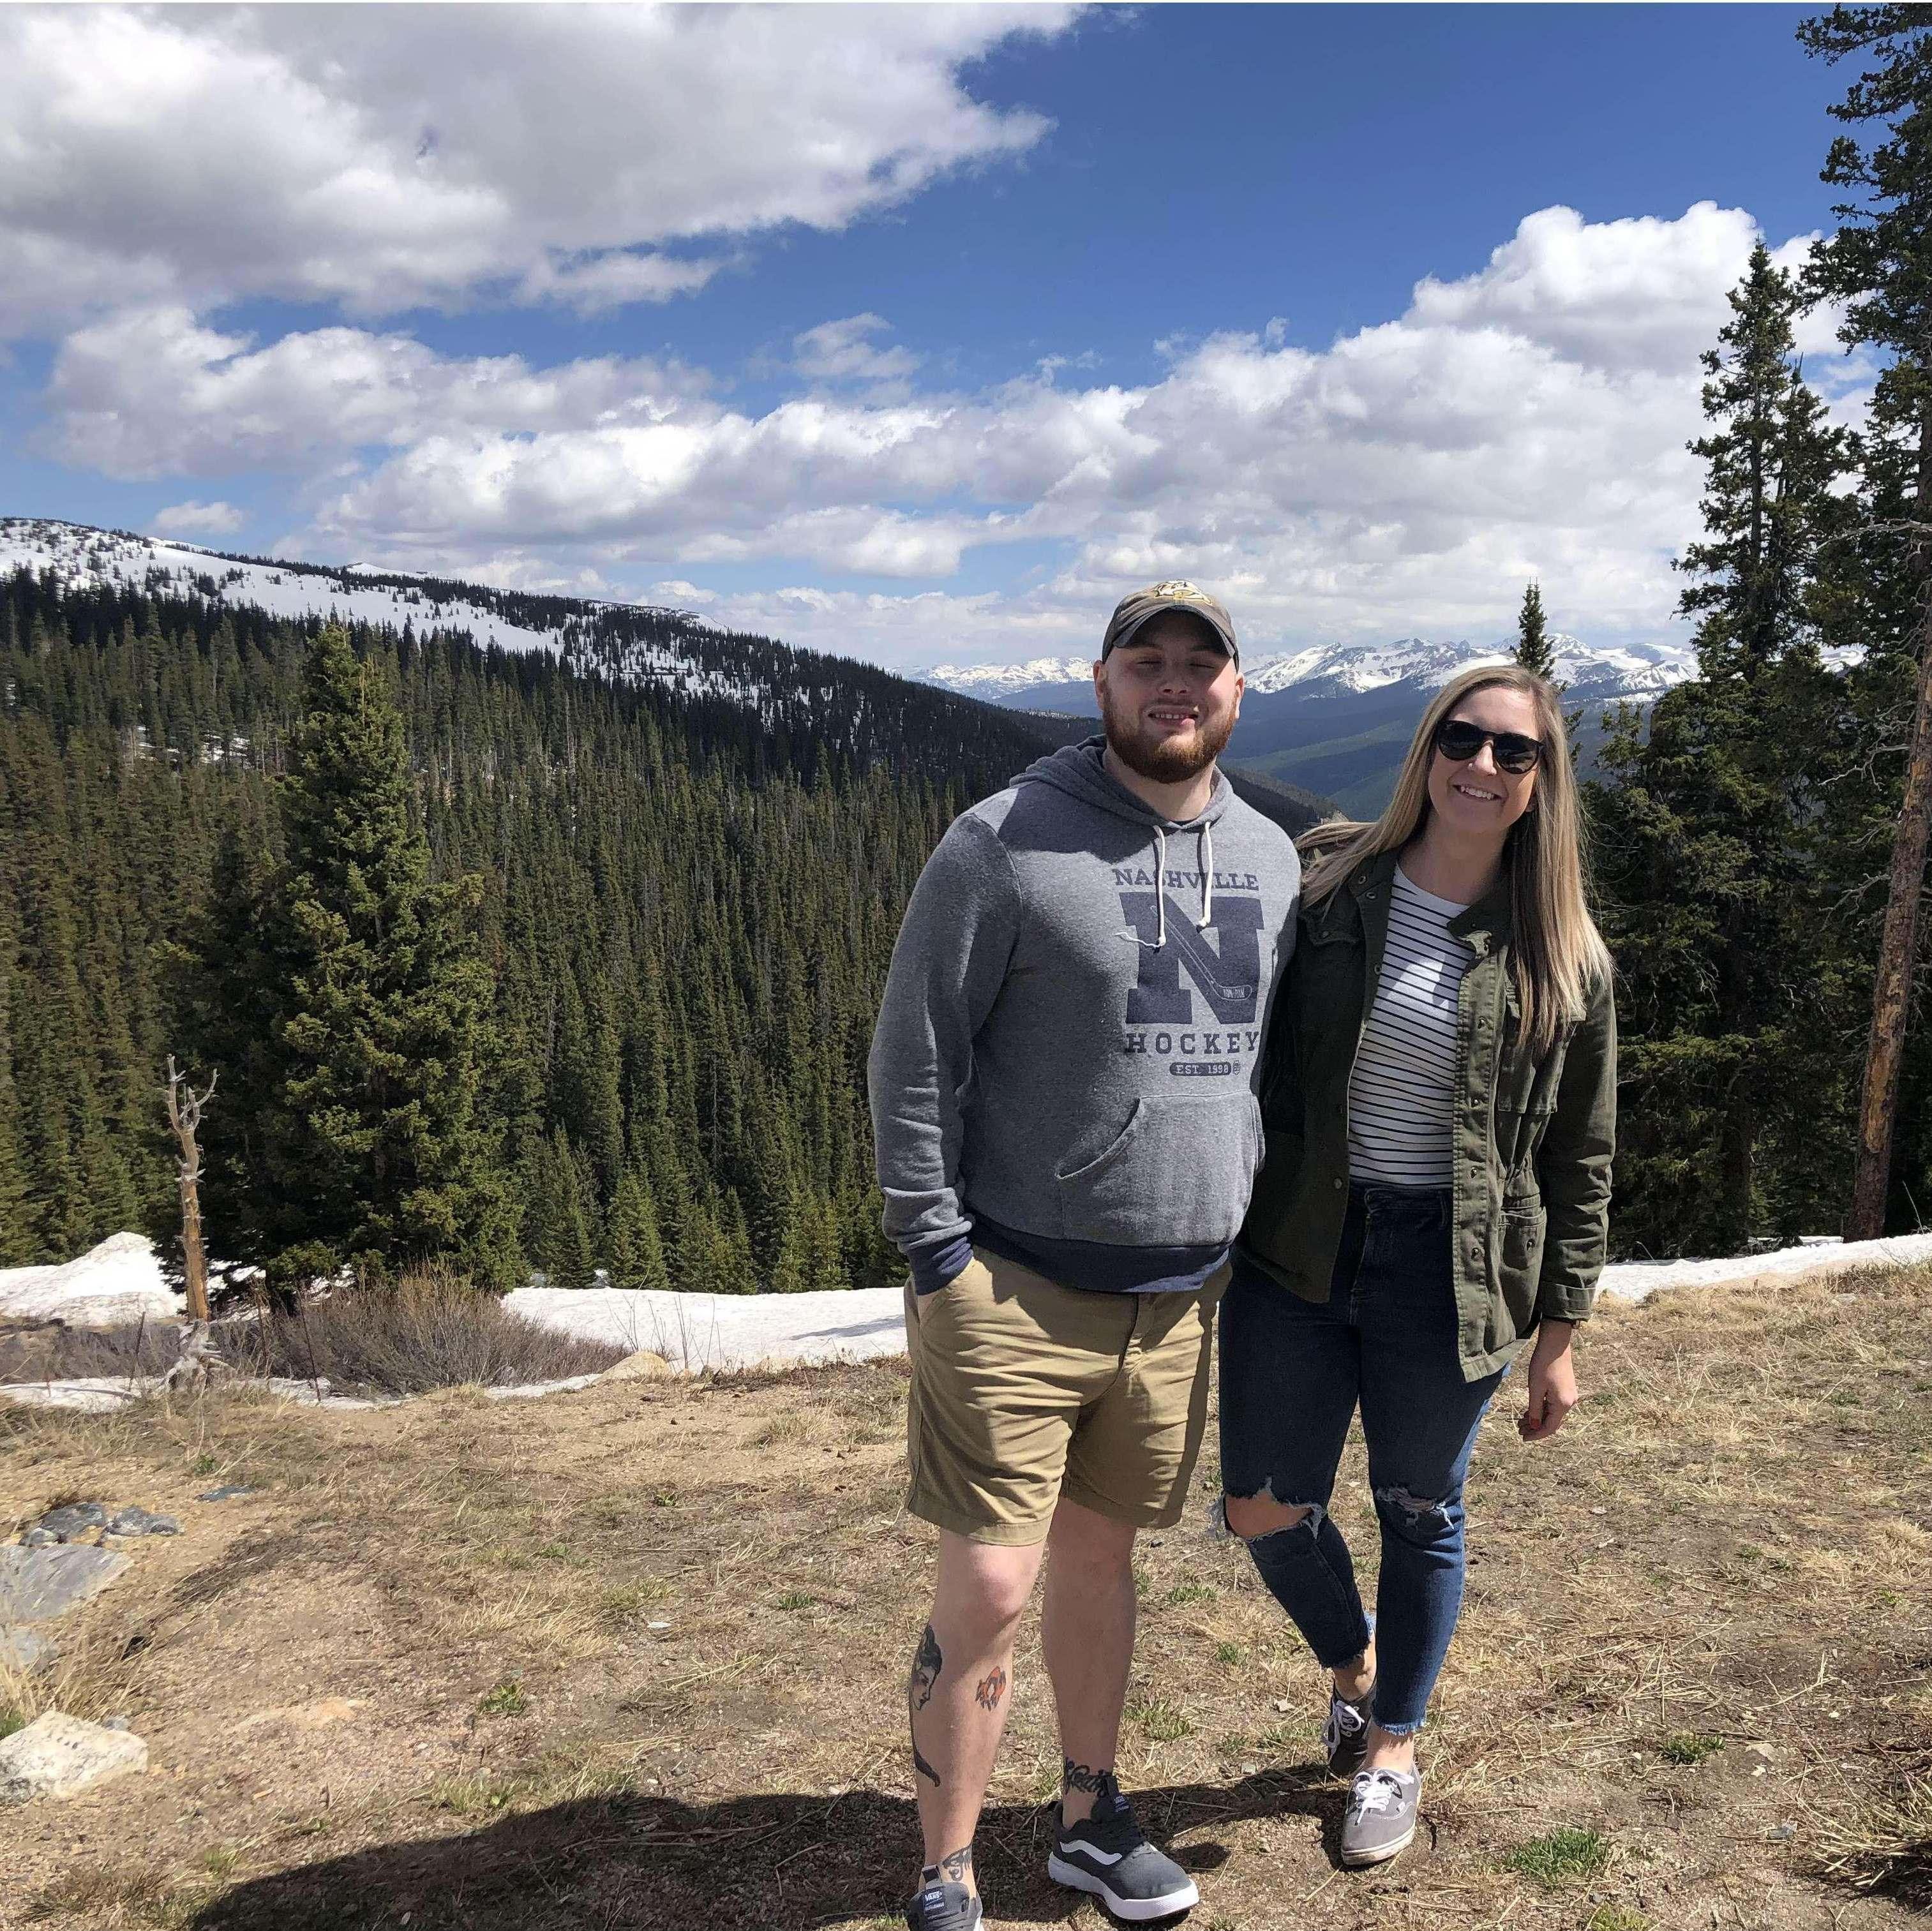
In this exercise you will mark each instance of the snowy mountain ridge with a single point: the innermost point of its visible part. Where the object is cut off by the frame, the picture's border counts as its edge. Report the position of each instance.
(1643, 670)
(80, 555)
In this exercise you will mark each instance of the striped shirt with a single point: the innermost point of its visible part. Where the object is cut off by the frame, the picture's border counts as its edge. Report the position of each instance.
(1402, 1094)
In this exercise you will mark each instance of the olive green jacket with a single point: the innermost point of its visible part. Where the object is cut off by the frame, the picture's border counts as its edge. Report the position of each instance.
(1533, 1135)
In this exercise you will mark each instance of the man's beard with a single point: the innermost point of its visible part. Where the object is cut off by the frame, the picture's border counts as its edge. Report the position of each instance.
(1165, 760)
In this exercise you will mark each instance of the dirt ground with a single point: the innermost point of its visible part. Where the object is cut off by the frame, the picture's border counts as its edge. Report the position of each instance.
(634, 1657)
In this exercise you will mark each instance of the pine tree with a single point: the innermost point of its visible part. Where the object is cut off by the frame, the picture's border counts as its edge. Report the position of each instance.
(636, 1248)
(1878, 264)
(1706, 850)
(376, 1156)
(1533, 649)
(15, 1249)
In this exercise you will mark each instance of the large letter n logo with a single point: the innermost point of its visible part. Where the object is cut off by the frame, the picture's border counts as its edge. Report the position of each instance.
(1229, 979)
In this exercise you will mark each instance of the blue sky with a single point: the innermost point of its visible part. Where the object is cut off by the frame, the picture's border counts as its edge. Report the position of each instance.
(922, 333)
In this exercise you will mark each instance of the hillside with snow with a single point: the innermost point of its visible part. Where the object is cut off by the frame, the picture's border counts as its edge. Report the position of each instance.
(77, 554)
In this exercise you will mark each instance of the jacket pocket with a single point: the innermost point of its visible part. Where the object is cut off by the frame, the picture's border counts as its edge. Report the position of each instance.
(1523, 1225)
(1178, 1174)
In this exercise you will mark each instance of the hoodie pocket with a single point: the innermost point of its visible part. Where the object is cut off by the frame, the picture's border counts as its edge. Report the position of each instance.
(1178, 1175)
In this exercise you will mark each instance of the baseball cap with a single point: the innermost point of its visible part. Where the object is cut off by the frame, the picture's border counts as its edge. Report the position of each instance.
(1140, 607)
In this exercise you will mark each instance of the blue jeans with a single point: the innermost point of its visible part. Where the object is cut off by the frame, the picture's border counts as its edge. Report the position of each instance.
(1292, 1372)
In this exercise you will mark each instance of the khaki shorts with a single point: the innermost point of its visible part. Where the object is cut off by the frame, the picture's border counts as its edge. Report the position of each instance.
(1023, 1392)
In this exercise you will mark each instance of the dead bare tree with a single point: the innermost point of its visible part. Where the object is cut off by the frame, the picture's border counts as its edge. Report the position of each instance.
(1898, 950)
(184, 1109)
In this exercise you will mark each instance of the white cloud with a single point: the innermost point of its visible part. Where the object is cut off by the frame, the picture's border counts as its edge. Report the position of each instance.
(153, 392)
(193, 519)
(388, 157)
(845, 352)
(1530, 419)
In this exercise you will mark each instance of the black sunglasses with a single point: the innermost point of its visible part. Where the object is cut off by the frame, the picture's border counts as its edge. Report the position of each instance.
(1459, 741)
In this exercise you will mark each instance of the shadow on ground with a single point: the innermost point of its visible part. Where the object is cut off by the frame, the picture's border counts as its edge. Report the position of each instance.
(779, 1862)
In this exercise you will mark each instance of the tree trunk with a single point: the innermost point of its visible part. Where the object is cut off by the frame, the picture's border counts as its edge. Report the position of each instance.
(1897, 954)
(185, 1106)
(195, 1260)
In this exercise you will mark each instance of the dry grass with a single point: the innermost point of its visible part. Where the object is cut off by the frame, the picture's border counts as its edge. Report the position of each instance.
(431, 1331)
(633, 1658)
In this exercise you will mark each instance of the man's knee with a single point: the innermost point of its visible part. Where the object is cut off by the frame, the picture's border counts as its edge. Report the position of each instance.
(983, 1597)
(1083, 1538)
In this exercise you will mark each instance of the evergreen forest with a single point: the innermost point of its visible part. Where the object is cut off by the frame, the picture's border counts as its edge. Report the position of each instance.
(650, 926)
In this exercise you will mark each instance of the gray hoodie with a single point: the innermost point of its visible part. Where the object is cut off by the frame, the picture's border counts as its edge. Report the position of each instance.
(1067, 1063)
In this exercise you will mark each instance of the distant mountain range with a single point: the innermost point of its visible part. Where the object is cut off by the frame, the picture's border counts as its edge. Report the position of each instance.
(1336, 718)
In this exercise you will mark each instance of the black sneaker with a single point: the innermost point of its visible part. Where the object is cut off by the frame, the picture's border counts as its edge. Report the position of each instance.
(1108, 1855)
(940, 1906)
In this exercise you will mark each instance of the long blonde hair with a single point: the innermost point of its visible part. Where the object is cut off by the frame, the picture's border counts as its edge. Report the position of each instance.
(1557, 954)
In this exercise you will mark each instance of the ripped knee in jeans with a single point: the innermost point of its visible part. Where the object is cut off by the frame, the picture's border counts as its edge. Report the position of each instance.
(1416, 1510)
(1252, 1518)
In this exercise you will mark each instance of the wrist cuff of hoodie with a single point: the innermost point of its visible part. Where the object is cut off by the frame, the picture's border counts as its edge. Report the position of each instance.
(938, 1266)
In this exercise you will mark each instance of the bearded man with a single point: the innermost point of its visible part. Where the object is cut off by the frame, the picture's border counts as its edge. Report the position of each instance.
(1063, 1084)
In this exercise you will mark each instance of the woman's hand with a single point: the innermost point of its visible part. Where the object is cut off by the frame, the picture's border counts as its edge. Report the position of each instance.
(1552, 1381)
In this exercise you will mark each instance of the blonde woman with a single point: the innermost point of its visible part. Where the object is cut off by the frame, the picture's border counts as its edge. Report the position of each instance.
(1439, 1097)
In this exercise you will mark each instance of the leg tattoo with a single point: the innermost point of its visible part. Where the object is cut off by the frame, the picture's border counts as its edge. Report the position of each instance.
(992, 1687)
(925, 1668)
(926, 1665)
(954, 1865)
(1084, 1776)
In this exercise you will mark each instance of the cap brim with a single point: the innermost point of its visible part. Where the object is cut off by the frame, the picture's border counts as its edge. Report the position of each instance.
(1176, 608)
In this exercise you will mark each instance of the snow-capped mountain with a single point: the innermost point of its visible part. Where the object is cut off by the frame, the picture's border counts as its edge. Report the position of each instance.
(1639, 671)
(1337, 717)
(994, 682)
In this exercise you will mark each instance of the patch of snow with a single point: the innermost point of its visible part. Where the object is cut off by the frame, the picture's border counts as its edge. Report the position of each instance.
(116, 1284)
(102, 1394)
(1635, 1281)
(697, 1332)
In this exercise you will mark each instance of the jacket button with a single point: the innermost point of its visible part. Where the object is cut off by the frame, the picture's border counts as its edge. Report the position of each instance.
(1340, 1183)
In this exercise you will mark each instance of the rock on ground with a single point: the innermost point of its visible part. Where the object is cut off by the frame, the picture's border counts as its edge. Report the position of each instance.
(38, 1584)
(60, 1755)
(642, 1365)
(25, 1649)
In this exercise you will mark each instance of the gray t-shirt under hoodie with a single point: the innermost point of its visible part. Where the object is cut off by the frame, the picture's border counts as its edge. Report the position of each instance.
(1067, 1063)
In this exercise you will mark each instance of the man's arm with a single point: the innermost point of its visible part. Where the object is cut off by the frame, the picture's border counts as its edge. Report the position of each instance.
(948, 967)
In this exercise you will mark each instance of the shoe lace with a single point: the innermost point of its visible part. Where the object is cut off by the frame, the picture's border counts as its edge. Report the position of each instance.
(1375, 1791)
(1344, 1720)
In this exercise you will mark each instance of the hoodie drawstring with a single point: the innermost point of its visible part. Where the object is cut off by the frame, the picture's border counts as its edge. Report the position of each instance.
(1159, 890)
(1204, 848)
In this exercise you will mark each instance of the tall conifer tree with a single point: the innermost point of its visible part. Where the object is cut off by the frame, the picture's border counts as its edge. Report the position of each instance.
(1706, 859)
(1878, 264)
(1533, 650)
(377, 1157)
